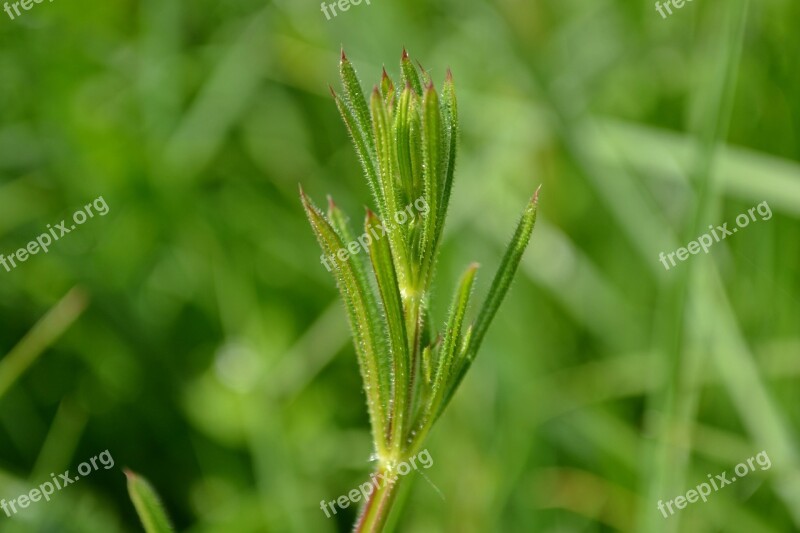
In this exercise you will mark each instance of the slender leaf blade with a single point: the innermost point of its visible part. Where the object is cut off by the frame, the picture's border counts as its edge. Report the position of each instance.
(147, 504)
(375, 371)
(382, 264)
(431, 170)
(499, 288)
(452, 336)
(410, 74)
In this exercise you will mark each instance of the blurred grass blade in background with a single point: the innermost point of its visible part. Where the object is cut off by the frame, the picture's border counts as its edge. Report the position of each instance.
(148, 506)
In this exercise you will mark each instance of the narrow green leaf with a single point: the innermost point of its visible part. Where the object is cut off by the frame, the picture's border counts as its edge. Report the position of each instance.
(364, 150)
(147, 504)
(452, 336)
(375, 370)
(450, 116)
(401, 131)
(410, 74)
(415, 146)
(387, 90)
(431, 170)
(354, 96)
(359, 263)
(382, 264)
(500, 284)
(395, 217)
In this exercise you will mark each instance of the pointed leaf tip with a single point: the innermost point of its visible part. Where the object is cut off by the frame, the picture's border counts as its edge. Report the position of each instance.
(344, 56)
(535, 199)
(331, 203)
(449, 75)
(405, 54)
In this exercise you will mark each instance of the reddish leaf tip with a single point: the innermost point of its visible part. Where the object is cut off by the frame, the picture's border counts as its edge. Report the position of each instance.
(449, 75)
(331, 203)
(535, 199)
(344, 56)
(404, 57)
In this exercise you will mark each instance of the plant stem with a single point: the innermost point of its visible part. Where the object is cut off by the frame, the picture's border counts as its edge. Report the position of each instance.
(378, 505)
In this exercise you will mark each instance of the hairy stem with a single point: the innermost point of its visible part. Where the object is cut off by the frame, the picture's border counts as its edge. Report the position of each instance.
(378, 504)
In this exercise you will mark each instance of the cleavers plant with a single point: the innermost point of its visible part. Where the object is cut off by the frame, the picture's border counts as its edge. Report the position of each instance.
(406, 141)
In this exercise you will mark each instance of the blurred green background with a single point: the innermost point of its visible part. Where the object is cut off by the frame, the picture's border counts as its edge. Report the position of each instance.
(193, 333)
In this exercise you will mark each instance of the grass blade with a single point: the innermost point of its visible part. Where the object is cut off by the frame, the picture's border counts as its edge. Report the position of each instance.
(147, 504)
(40, 337)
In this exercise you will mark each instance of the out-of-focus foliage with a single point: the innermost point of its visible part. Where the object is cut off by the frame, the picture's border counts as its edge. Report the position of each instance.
(205, 346)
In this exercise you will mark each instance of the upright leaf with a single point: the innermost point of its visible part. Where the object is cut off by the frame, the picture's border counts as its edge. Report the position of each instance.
(382, 264)
(395, 217)
(431, 170)
(450, 116)
(147, 504)
(375, 371)
(364, 150)
(410, 74)
(452, 336)
(500, 284)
